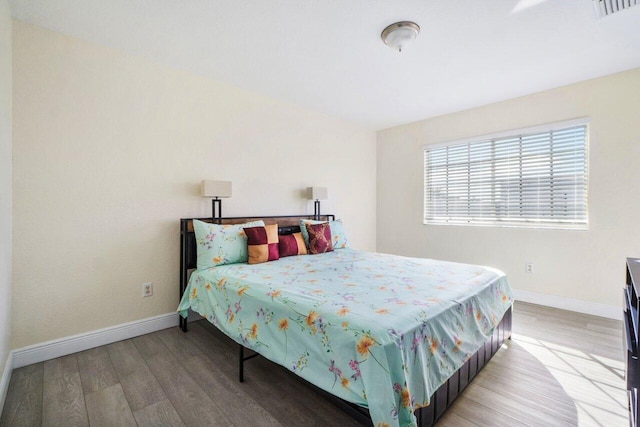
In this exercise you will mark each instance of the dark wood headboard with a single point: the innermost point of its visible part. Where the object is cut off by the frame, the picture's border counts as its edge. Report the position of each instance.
(287, 224)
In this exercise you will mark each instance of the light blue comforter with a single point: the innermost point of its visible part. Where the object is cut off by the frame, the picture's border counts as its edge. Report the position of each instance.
(378, 330)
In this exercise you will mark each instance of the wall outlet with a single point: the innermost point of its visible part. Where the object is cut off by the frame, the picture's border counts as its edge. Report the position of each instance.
(528, 267)
(147, 289)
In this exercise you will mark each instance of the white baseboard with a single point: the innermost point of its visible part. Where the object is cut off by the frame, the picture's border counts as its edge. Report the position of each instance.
(73, 344)
(580, 306)
(4, 380)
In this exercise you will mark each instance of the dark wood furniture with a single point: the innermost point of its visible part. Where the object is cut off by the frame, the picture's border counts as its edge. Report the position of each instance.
(631, 342)
(443, 397)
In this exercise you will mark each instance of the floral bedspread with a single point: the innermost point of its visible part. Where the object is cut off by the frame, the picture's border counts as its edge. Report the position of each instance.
(378, 330)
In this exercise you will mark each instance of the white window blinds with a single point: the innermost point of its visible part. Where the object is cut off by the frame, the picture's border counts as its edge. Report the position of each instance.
(528, 179)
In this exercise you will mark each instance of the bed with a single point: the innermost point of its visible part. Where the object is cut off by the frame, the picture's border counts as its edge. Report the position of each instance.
(400, 337)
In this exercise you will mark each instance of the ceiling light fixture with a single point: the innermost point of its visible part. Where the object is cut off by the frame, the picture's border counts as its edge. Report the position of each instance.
(398, 35)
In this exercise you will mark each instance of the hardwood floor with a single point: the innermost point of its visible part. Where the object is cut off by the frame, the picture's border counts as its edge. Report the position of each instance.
(559, 369)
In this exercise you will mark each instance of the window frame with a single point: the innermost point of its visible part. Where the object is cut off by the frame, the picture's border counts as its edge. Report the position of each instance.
(514, 133)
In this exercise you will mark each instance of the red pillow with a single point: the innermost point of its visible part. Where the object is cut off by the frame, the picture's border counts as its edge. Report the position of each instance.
(319, 238)
(262, 243)
(292, 244)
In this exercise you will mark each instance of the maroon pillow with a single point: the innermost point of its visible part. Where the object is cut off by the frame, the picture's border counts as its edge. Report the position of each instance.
(319, 238)
(262, 243)
(291, 244)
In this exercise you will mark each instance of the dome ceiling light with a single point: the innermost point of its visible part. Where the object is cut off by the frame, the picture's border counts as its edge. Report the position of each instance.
(398, 35)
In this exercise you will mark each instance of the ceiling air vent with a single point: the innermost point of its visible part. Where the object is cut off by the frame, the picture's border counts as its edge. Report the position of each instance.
(608, 7)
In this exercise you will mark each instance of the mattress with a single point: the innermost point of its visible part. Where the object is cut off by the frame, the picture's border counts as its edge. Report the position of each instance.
(381, 331)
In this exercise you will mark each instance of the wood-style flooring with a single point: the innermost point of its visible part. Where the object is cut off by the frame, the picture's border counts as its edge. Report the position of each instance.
(559, 369)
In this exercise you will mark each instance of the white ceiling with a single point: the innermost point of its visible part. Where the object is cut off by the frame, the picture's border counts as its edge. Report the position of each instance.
(327, 55)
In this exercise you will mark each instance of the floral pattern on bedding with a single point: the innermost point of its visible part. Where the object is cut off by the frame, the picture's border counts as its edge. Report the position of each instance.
(378, 330)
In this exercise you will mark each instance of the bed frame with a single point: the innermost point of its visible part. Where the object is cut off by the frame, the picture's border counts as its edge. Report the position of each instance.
(443, 397)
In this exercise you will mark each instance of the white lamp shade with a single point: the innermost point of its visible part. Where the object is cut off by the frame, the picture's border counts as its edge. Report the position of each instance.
(216, 189)
(317, 193)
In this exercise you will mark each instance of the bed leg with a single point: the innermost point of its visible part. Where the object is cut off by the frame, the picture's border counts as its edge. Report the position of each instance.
(241, 366)
(183, 324)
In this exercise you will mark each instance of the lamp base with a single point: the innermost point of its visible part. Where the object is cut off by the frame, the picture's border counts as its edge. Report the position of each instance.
(316, 210)
(216, 203)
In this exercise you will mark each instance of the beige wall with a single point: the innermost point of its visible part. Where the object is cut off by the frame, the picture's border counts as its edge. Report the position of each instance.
(586, 266)
(109, 151)
(5, 184)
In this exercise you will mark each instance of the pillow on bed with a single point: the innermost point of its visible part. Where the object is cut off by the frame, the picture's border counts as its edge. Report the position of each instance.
(221, 244)
(262, 243)
(338, 233)
(319, 238)
(303, 229)
(292, 244)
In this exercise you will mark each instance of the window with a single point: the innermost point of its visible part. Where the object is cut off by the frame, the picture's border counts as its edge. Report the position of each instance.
(528, 178)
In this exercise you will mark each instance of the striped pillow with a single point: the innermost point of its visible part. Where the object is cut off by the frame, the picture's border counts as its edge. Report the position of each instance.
(292, 244)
